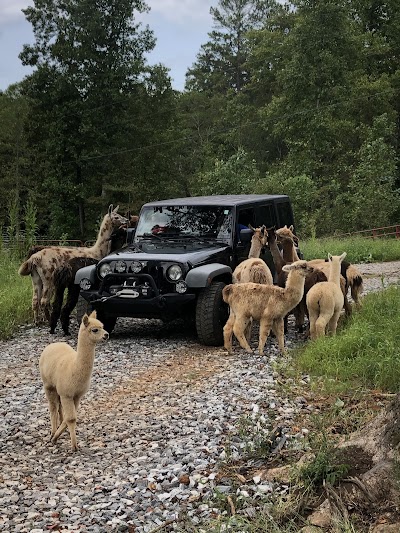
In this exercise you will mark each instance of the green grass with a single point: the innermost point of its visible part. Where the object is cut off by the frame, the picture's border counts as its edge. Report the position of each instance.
(365, 352)
(15, 296)
(359, 249)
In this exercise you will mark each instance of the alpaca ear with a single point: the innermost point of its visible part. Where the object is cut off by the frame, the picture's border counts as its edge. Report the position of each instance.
(251, 227)
(287, 268)
(330, 257)
(116, 209)
(85, 320)
(110, 208)
(292, 229)
(343, 256)
(93, 314)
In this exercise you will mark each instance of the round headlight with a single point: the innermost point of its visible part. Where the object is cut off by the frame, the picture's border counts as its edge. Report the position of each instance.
(174, 273)
(136, 267)
(120, 266)
(85, 284)
(181, 287)
(104, 270)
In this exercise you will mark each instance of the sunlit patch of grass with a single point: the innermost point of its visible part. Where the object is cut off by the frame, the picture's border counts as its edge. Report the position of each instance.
(15, 296)
(359, 249)
(365, 353)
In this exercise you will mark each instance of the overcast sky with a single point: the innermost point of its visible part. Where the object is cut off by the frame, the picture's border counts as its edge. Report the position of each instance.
(180, 26)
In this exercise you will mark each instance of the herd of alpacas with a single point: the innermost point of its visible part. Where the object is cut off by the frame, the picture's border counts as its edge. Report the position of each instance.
(316, 289)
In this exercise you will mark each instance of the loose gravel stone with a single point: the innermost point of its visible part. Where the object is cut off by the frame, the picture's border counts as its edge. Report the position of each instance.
(161, 413)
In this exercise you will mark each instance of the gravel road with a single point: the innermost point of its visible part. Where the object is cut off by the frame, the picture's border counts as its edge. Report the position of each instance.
(151, 431)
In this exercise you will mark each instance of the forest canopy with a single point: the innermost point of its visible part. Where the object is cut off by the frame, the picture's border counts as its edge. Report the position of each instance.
(301, 99)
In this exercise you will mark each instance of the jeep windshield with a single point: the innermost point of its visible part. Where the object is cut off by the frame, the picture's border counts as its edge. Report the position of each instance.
(196, 222)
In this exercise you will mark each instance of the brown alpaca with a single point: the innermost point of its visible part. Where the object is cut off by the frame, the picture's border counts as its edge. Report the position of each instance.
(66, 375)
(267, 303)
(42, 264)
(325, 301)
(300, 311)
(288, 240)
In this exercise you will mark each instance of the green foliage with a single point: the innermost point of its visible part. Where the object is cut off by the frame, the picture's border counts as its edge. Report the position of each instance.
(237, 175)
(15, 296)
(30, 220)
(366, 352)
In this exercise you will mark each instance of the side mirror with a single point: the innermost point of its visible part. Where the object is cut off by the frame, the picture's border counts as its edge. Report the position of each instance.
(130, 235)
(246, 235)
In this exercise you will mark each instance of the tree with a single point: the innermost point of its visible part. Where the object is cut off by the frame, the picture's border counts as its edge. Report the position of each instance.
(221, 63)
(89, 61)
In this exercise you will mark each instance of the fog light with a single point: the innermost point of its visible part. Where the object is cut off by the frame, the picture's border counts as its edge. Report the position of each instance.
(136, 267)
(85, 284)
(181, 287)
(120, 266)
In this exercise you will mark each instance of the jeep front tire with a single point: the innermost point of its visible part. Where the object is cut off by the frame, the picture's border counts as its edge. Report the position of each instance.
(211, 314)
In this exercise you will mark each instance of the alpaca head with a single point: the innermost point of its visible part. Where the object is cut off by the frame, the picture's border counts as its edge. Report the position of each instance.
(286, 234)
(116, 219)
(93, 328)
(271, 236)
(260, 236)
(301, 267)
(339, 258)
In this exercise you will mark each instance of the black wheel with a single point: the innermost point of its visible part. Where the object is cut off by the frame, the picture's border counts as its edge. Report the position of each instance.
(82, 307)
(211, 314)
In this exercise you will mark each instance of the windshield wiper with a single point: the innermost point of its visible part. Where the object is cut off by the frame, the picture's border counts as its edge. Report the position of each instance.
(149, 236)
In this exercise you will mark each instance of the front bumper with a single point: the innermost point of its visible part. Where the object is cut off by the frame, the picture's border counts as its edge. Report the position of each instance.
(162, 306)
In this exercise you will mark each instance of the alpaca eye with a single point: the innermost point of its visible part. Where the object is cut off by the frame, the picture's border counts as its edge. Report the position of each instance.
(95, 330)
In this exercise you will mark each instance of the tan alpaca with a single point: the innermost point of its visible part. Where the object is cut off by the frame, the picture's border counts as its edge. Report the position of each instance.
(66, 375)
(42, 264)
(254, 269)
(267, 303)
(325, 300)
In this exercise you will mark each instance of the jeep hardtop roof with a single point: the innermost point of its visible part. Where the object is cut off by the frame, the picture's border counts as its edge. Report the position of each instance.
(222, 199)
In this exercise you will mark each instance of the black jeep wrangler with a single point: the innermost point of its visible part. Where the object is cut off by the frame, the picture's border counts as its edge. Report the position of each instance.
(179, 258)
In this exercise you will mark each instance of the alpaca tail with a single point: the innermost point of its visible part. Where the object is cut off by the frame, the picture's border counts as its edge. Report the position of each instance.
(26, 268)
(226, 293)
(355, 281)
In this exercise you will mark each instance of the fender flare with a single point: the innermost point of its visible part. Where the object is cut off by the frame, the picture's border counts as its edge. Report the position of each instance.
(203, 276)
(88, 272)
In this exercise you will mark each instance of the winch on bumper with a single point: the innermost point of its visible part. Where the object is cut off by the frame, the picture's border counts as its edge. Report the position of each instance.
(137, 295)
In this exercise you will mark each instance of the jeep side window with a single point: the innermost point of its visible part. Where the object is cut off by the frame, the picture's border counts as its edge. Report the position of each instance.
(265, 215)
(285, 214)
(245, 217)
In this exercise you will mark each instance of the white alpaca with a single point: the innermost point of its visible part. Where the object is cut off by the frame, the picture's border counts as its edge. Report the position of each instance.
(42, 264)
(66, 375)
(267, 303)
(325, 300)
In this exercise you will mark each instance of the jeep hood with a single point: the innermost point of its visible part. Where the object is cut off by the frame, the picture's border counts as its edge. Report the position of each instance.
(190, 254)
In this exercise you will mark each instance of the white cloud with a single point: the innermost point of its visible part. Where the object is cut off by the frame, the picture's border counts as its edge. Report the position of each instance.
(182, 11)
(10, 10)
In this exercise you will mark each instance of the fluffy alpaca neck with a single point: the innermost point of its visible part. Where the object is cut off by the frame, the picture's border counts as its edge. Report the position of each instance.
(255, 249)
(294, 288)
(334, 273)
(102, 245)
(85, 356)
(289, 252)
(279, 262)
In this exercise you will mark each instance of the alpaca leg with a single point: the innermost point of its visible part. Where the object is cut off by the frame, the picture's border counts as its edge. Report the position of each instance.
(249, 327)
(56, 309)
(69, 414)
(320, 325)
(239, 328)
(228, 332)
(333, 322)
(312, 319)
(72, 300)
(54, 405)
(36, 296)
(278, 329)
(347, 306)
(265, 328)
